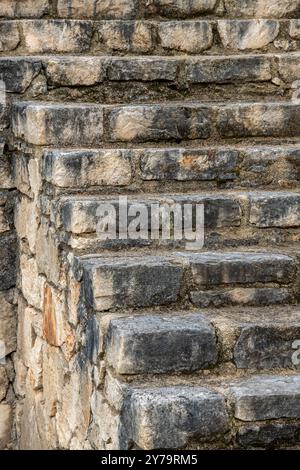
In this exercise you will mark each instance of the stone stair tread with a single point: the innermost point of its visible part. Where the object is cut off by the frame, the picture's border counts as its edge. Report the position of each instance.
(187, 341)
(211, 404)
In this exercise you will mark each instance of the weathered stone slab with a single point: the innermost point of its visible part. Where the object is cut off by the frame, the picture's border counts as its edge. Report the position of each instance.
(275, 209)
(247, 34)
(9, 35)
(23, 8)
(143, 68)
(126, 36)
(260, 120)
(215, 268)
(87, 168)
(269, 436)
(109, 9)
(8, 254)
(189, 164)
(169, 417)
(6, 418)
(229, 69)
(58, 124)
(120, 282)
(159, 122)
(56, 35)
(158, 344)
(262, 8)
(75, 71)
(181, 8)
(241, 296)
(18, 73)
(266, 397)
(186, 36)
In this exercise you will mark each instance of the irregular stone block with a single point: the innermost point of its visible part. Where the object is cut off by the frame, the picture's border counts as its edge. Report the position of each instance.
(266, 397)
(294, 30)
(167, 418)
(262, 8)
(26, 221)
(186, 36)
(143, 68)
(6, 181)
(260, 120)
(31, 282)
(229, 69)
(58, 124)
(8, 324)
(289, 66)
(215, 268)
(268, 346)
(9, 35)
(109, 9)
(247, 34)
(241, 296)
(120, 282)
(57, 35)
(24, 9)
(18, 73)
(275, 209)
(75, 71)
(269, 435)
(87, 168)
(6, 421)
(4, 382)
(127, 36)
(189, 164)
(8, 254)
(181, 8)
(158, 344)
(159, 122)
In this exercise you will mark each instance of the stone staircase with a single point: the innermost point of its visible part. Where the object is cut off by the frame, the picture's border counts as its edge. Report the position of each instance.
(140, 343)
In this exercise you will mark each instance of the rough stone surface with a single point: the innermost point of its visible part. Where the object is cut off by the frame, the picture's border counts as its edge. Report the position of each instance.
(260, 120)
(75, 71)
(88, 168)
(185, 165)
(188, 36)
(8, 324)
(240, 267)
(266, 397)
(182, 8)
(58, 124)
(125, 36)
(5, 424)
(18, 73)
(275, 210)
(109, 9)
(23, 9)
(270, 436)
(119, 282)
(56, 35)
(240, 296)
(155, 122)
(168, 417)
(262, 8)
(8, 261)
(151, 344)
(228, 69)
(247, 34)
(9, 36)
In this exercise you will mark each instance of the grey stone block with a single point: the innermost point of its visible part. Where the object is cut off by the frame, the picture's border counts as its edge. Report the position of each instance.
(158, 344)
(159, 122)
(58, 124)
(279, 209)
(189, 164)
(131, 282)
(168, 417)
(213, 268)
(266, 397)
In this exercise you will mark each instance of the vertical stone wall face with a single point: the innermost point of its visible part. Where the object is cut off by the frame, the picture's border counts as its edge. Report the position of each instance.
(142, 344)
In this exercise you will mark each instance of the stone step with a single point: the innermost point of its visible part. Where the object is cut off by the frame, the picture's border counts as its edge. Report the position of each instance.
(128, 9)
(239, 166)
(261, 338)
(19, 72)
(178, 416)
(230, 216)
(39, 36)
(66, 124)
(118, 282)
